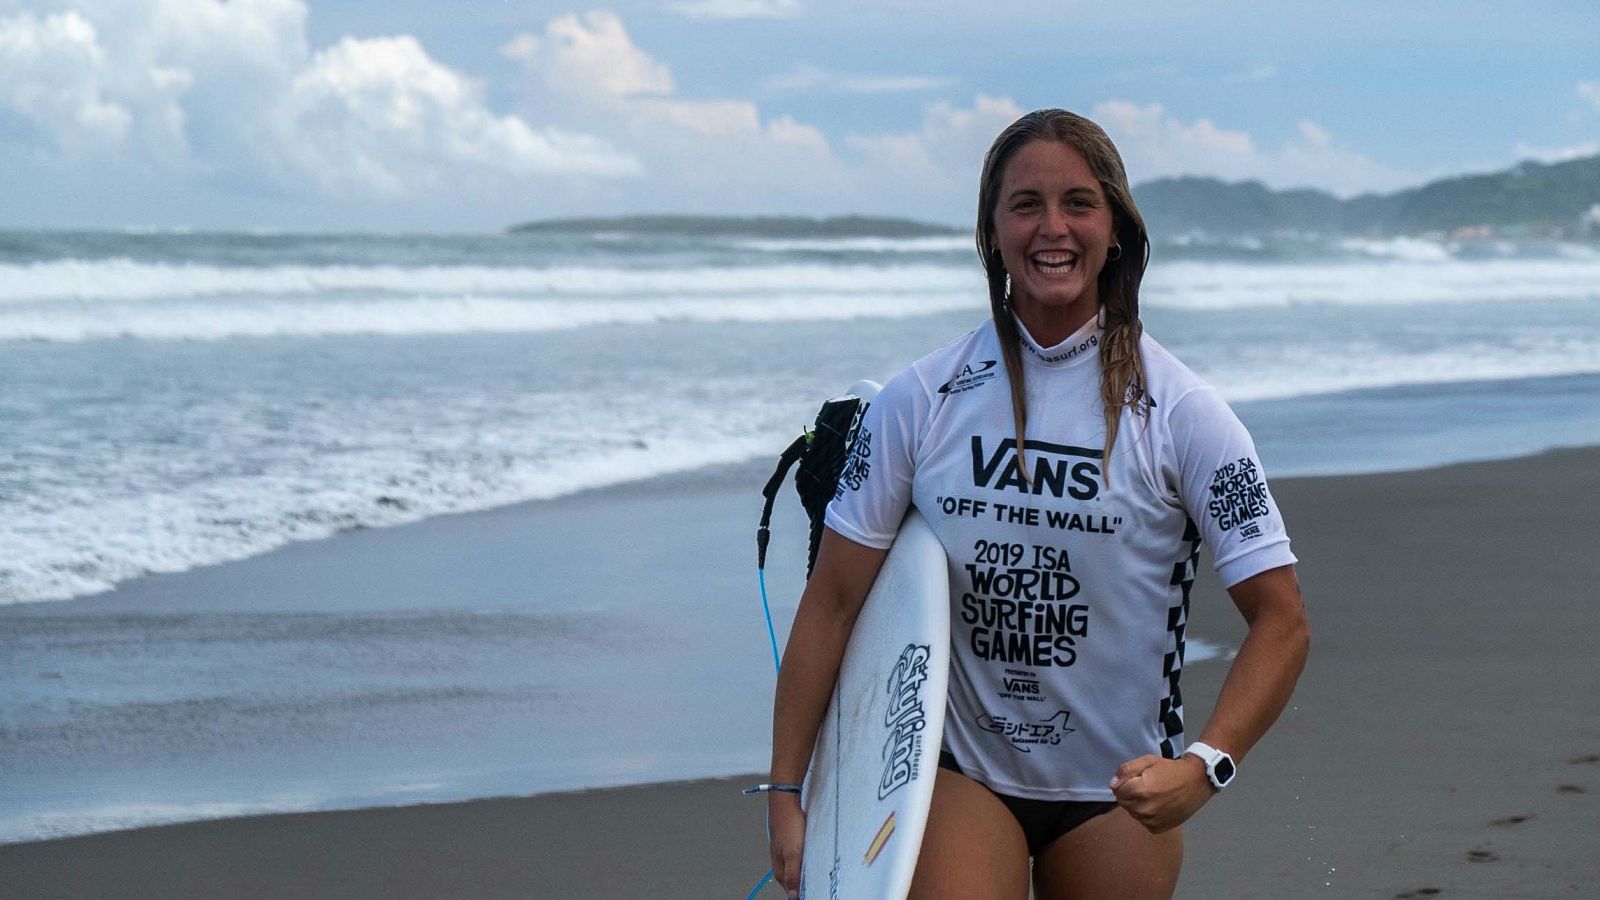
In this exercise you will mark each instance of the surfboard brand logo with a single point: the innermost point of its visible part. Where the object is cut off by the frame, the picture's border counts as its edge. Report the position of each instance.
(1024, 736)
(905, 719)
(972, 375)
(1058, 469)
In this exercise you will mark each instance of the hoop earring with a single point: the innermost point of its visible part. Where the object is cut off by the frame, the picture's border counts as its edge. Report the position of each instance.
(1118, 248)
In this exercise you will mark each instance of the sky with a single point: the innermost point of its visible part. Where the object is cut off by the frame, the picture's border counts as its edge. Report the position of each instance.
(406, 115)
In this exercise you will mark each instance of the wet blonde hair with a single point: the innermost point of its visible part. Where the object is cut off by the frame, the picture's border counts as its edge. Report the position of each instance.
(1122, 376)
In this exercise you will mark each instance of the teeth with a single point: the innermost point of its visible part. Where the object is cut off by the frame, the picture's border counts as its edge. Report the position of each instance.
(1054, 259)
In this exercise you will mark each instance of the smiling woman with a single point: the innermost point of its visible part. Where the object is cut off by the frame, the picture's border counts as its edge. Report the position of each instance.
(1063, 762)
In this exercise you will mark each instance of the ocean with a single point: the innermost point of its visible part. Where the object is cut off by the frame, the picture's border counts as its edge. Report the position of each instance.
(174, 400)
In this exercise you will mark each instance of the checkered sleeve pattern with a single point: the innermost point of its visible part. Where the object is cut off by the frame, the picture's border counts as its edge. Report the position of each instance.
(1171, 711)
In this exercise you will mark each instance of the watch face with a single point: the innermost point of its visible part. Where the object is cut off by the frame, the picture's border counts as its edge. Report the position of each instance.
(1223, 770)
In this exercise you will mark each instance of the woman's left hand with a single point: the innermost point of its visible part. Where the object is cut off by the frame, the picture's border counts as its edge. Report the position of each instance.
(1162, 793)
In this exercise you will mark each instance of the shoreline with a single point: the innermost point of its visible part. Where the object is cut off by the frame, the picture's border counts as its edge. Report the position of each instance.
(1437, 741)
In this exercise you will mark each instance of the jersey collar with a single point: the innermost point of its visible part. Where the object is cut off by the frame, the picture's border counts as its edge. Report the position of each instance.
(1080, 345)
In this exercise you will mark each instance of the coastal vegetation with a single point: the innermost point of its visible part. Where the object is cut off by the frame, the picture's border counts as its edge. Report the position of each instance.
(1530, 199)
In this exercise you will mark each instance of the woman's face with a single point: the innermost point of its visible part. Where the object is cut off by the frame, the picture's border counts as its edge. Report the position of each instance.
(1053, 227)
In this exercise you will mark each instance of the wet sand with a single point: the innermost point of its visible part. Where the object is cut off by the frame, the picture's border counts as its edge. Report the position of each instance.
(1444, 741)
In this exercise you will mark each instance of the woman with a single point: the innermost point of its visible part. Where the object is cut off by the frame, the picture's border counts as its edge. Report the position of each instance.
(1100, 463)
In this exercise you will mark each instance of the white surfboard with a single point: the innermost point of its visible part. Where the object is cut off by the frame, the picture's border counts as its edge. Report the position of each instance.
(870, 784)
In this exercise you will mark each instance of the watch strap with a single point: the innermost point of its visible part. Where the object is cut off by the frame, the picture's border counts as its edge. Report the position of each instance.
(1220, 767)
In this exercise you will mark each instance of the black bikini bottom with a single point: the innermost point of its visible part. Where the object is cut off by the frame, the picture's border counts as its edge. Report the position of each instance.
(1042, 821)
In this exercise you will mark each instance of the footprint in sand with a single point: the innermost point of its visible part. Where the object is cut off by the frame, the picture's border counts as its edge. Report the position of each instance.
(1587, 759)
(1511, 820)
(1481, 855)
(1571, 789)
(1417, 893)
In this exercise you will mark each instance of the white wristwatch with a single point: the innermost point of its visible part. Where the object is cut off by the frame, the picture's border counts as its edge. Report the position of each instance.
(1219, 765)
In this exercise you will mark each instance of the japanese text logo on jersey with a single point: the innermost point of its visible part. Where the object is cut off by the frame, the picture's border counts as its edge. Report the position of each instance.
(1024, 736)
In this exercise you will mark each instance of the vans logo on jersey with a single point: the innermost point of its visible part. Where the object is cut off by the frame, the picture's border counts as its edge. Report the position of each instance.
(1020, 684)
(971, 375)
(1058, 469)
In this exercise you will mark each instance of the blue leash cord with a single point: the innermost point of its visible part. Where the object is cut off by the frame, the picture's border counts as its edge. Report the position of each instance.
(759, 885)
(771, 635)
(777, 666)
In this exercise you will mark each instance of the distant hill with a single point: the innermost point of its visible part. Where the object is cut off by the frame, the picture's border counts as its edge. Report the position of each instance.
(1531, 198)
(736, 226)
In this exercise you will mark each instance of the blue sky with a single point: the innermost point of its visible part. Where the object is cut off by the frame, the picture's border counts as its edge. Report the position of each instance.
(410, 115)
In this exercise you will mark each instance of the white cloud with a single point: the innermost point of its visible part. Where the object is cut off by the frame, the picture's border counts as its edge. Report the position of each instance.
(1590, 91)
(1154, 144)
(231, 94)
(587, 73)
(947, 150)
(231, 90)
(739, 9)
(266, 36)
(590, 55)
(1152, 141)
(53, 72)
(380, 115)
(1525, 150)
(818, 79)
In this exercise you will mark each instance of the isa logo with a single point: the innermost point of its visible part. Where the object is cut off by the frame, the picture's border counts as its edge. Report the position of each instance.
(972, 375)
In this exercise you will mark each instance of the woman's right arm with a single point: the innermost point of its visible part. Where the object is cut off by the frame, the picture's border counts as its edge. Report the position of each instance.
(829, 605)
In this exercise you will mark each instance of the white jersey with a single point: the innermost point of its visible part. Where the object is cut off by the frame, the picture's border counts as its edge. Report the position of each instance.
(1069, 596)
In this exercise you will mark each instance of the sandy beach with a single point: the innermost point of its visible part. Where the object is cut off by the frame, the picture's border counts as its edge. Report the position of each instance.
(1443, 742)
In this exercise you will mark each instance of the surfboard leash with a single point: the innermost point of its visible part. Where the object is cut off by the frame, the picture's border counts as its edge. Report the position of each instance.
(821, 451)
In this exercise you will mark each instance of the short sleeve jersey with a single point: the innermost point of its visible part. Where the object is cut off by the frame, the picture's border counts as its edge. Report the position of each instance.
(1069, 588)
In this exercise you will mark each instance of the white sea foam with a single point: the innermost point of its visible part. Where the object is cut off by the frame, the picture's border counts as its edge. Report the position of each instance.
(87, 542)
(1289, 371)
(1221, 285)
(159, 302)
(125, 279)
(1408, 249)
(461, 315)
(431, 458)
(39, 826)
